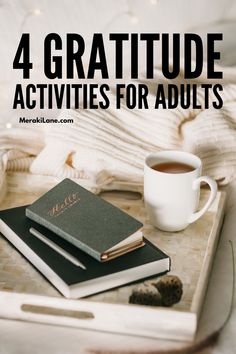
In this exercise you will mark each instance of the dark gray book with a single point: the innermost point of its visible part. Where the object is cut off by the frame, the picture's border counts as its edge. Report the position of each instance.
(87, 221)
(73, 281)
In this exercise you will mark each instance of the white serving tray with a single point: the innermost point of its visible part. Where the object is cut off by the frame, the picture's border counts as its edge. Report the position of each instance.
(26, 295)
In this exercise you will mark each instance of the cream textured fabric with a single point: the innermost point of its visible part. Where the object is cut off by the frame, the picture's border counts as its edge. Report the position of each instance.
(108, 147)
(116, 142)
(2, 175)
(26, 140)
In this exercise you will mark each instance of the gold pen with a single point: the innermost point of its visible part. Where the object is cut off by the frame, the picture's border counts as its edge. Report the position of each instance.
(57, 248)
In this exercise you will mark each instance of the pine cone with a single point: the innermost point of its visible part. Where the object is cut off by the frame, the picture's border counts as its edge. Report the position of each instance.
(171, 289)
(145, 294)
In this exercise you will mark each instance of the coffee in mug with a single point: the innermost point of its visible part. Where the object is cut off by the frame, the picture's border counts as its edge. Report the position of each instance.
(173, 167)
(172, 189)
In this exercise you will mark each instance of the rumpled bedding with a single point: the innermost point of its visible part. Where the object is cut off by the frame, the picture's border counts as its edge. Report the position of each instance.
(107, 148)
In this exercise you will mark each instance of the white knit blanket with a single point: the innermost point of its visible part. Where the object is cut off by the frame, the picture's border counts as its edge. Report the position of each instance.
(107, 148)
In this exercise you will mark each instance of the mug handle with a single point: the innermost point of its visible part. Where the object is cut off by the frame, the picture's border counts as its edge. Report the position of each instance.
(213, 186)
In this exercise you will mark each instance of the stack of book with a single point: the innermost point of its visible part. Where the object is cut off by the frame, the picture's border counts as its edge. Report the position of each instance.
(81, 243)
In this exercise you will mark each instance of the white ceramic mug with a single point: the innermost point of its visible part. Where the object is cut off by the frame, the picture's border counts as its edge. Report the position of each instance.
(171, 199)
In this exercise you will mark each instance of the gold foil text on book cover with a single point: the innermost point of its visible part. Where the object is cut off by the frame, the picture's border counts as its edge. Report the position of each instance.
(67, 203)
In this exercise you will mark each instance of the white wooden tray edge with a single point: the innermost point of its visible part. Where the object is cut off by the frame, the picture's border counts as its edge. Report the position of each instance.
(118, 318)
(207, 264)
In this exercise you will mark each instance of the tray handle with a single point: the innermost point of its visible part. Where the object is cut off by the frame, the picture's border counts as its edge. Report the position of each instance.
(54, 311)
